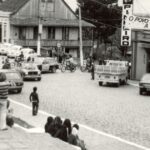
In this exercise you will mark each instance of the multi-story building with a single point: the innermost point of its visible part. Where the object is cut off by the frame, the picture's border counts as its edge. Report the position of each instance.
(23, 21)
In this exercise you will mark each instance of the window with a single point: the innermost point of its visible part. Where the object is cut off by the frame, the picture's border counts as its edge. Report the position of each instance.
(22, 33)
(35, 33)
(51, 33)
(65, 33)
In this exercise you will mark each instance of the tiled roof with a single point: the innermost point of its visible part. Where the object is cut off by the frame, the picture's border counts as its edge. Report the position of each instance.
(49, 22)
(12, 5)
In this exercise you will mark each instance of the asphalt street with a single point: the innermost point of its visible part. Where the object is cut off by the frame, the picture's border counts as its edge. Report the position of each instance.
(118, 111)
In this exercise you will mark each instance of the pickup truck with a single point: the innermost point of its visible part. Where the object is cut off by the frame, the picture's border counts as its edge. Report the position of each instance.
(114, 72)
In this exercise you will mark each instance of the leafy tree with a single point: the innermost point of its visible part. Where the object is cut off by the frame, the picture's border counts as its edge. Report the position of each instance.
(104, 15)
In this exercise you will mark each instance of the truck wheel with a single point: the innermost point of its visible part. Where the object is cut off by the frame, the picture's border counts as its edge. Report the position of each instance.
(54, 70)
(100, 83)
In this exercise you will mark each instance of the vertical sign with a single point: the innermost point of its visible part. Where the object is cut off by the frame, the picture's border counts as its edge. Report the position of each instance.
(126, 32)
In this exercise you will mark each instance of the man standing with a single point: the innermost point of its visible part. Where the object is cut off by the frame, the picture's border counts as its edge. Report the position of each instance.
(34, 98)
(3, 101)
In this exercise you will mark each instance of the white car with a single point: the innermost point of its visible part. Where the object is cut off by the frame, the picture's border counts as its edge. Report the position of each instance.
(14, 51)
(28, 52)
(4, 48)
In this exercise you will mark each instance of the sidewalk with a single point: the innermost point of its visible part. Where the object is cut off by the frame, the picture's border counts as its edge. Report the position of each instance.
(17, 139)
(133, 83)
(94, 139)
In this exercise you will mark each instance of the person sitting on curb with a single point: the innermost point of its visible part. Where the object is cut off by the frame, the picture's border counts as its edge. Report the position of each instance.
(74, 138)
(48, 124)
(3, 101)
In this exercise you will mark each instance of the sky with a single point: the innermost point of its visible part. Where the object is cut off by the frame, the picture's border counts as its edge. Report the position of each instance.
(72, 4)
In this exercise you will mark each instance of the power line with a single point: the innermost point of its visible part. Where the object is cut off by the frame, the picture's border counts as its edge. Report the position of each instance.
(95, 21)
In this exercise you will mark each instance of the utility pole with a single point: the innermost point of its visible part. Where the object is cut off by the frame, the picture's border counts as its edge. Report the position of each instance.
(80, 34)
(39, 31)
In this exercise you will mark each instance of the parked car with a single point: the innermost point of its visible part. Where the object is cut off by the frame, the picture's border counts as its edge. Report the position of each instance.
(4, 48)
(46, 64)
(14, 80)
(14, 51)
(28, 52)
(144, 84)
(30, 71)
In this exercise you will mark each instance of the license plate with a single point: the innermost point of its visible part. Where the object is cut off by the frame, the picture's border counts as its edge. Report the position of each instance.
(107, 77)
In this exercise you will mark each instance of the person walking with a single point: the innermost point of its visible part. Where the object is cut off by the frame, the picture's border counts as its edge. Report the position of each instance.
(34, 99)
(93, 71)
(3, 101)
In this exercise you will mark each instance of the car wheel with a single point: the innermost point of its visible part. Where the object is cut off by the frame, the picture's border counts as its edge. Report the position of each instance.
(63, 68)
(141, 91)
(100, 83)
(54, 70)
(39, 79)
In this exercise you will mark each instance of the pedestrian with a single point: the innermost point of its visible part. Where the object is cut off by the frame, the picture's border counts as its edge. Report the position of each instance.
(34, 99)
(93, 71)
(3, 101)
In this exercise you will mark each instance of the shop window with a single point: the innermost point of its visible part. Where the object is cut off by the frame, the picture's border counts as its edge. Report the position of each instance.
(51, 33)
(65, 33)
(22, 33)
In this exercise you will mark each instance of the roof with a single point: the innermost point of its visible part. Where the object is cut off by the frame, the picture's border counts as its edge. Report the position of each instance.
(48, 22)
(12, 5)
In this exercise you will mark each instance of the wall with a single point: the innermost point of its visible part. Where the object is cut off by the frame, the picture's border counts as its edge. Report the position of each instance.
(58, 34)
(73, 34)
(141, 61)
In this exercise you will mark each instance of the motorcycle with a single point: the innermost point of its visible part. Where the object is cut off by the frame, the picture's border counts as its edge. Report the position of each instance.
(86, 67)
(68, 66)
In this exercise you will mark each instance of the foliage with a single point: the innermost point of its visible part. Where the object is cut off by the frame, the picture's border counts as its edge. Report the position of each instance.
(105, 16)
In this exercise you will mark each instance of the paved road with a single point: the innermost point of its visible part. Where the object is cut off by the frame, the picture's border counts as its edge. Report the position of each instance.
(119, 111)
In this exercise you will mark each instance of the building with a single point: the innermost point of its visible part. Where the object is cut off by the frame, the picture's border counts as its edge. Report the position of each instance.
(140, 53)
(23, 22)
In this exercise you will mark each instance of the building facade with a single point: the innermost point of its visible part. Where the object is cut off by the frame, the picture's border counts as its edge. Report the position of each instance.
(52, 20)
(140, 53)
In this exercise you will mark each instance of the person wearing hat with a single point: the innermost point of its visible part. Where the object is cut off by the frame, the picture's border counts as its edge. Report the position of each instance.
(34, 99)
(3, 101)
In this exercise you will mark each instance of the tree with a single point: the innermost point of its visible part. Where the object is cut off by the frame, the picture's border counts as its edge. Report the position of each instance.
(104, 15)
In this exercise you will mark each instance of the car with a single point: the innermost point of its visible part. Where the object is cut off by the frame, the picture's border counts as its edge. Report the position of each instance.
(30, 71)
(28, 52)
(14, 80)
(4, 48)
(14, 51)
(46, 64)
(144, 84)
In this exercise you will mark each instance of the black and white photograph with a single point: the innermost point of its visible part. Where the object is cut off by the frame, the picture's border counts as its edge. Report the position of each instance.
(74, 74)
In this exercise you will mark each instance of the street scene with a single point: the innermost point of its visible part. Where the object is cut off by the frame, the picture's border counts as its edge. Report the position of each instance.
(74, 75)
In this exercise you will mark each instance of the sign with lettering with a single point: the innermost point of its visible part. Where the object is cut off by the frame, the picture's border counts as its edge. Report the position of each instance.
(126, 32)
(136, 22)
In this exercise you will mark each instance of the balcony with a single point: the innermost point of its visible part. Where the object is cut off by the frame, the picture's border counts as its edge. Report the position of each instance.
(53, 43)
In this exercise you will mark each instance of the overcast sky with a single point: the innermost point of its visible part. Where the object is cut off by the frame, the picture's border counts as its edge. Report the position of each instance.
(72, 4)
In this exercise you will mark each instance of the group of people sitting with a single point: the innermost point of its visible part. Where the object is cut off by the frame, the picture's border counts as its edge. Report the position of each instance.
(64, 131)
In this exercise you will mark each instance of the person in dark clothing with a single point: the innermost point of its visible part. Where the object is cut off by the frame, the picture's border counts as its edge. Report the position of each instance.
(64, 132)
(92, 71)
(6, 64)
(48, 124)
(55, 126)
(34, 98)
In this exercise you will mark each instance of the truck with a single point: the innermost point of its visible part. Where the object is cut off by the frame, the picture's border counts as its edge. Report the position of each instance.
(113, 72)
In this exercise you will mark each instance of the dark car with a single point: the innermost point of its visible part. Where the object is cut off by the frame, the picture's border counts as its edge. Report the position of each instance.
(14, 80)
(46, 64)
(144, 84)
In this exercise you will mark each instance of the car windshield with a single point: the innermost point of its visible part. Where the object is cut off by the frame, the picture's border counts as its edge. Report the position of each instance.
(12, 76)
(29, 66)
(146, 77)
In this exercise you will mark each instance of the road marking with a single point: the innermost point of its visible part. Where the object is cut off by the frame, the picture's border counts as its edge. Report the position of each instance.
(86, 127)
